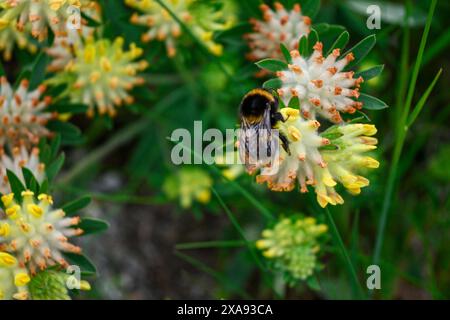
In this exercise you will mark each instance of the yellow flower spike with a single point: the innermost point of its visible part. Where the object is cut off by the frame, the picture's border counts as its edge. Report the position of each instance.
(35, 210)
(45, 198)
(4, 229)
(309, 221)
(323, 200)
(294, 133)
(89, 53)
(21, 279)
(105, 64)
(369, 129)
(371, 163)
(7, 199)
(7, 260)
(271, 253)
(322, 228)
(204, 196)
(13, 212)
(292, 246)
(85, 286)
(327, 179)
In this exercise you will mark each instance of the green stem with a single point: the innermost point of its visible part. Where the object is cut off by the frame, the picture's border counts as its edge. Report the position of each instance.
(204, 268)
(249, 244)
(345, 256)
(400, 140)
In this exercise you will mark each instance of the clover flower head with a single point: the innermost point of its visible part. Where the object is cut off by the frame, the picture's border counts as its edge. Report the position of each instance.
(23, 114)
(9, 37)
(20, 158)
(61, 49)
(101, 74)
(320, 84)
(200, 17)
(161, 24)
(293, 245)
(54, 284)
(321, 160)
(13, 278)
(40, 15)
(36, 232)
(189, 184)
(279, 26)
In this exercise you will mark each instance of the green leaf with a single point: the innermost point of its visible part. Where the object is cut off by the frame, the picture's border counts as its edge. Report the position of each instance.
(303, 46)
(286, 53)
(44, 186)
(38, 70)
(54, 147)
(313, 284)
(313, 37)
(91, 226)
(274, 83)
(55, 166)
(73, 108)
(412, 117)
(30, 181)
(361, 49)
(272, 65)
(340, 42)
(76, 205)
(86, 266)
(16, 185)
(370, 73)
(310, 8)
(65, 128)
(2, 70)
(371, 103)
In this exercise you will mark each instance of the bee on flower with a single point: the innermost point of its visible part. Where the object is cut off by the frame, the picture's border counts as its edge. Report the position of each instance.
(101, 74)
(279, 26)
(23, 114)
(202, 19)
(292, 246)
(36, 232)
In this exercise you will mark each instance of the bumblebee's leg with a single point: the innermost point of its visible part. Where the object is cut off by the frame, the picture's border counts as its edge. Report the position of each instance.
(284, 143)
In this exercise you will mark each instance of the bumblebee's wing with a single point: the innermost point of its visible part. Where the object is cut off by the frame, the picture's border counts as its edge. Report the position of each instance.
(256, 142)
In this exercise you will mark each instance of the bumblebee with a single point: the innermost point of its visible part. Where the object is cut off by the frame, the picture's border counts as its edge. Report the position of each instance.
(259, 115)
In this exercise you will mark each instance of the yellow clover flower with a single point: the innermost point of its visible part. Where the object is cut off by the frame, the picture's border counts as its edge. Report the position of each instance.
(13, 278)
(101, 74)
(36, 232)
(187, 185)
(292, 245)
(39, 15)
(321, 160)
(9, 37)
(202, 19)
